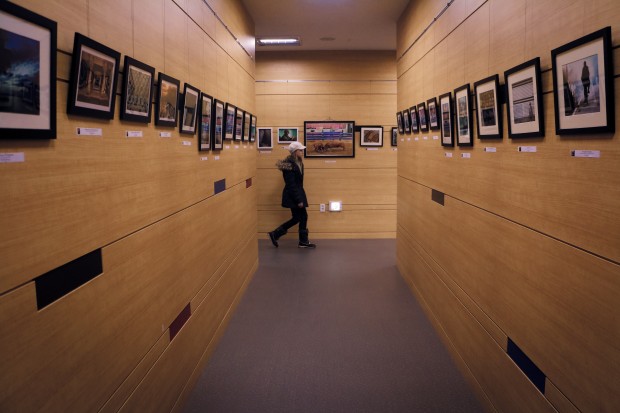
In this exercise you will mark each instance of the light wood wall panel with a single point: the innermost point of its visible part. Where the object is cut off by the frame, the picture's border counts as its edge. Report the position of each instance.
(148, 203)
(530, 246)
(360, 86)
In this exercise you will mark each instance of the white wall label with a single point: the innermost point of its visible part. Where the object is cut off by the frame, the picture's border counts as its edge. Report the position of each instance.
(448, 154)
(402, 139)
(134, 134)
(372, 149)
(585, 154)
(226, 146)
(14, 157)
(89, 131)
(466, 155)
(165, 134)
(236, 146)
(425, 138)
(408, 139)
(527, 149)
(435, 137)
(394, 149)
(264, 152)
(217, 157)
(417, 139)
(330, 161)
(186, 143)
(204, 158)
(490, 149)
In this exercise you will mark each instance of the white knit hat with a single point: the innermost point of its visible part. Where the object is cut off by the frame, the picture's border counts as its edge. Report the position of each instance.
(294, 146)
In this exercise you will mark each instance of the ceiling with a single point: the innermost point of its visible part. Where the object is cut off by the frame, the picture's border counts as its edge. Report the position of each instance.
(352, 24)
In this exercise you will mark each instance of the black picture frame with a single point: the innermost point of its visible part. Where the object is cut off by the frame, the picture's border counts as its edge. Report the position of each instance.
(394, 137)
(191, 100)
(247, 123)
(583, 106)
(463, 116)
(524, 104)
(415, 126)
(252, 128)
(218, 125)
(488, 108)
(265, 138)
(238, 132)
(288, 135)
(400, 123)
(329, 139)
(137, 92)
(433, 114)
(93, 79)
(407, 121)
(205, 123)
(32, 114)
(167, 101)
(423, 117)
(445, 114)
(229, 121)
(371, 136)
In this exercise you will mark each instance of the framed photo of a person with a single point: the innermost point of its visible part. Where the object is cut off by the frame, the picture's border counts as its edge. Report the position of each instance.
(252, 128)
(191, 96)
(524, 106)
(329, 139)
(229, 121)
(463, 118)
(488, 113)
(265, 138)
(247, 123)
(400, 122)
(415, 126)
(583, 85)
(407, 120)
(205, 129)
(422, 117)
(137, 93)
(394, 136)
(287, 135)
(166, 101)
(218, 124)
(238, 131)
(28, 75)
(371, 136)
(433, 114)
(92, 83)
(445, 114)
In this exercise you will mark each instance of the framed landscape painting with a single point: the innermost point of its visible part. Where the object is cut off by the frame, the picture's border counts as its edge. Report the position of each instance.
(218, 124)
(422, 117)
(445, 115)
(167, 100)
(433, 114)
(488, 113)
(205, 129)
(229, 121)
(329, 139)
(463, 118)
(371, 136)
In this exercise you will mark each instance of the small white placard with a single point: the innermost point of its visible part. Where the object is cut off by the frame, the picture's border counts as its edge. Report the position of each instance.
(236, 146)
(417, 139)
(134, 134)
(89, 131)
(466, 155)
(330, 161)
(527, 149)
(425, 138)
(13, 157)
(165, 134)
(217, 157)
(585, 154)
(435, 137)
(226, 146)
(394, 149)
(408, 139)
(402, 139)
(372, 149)
(186, 143)
(490, 149)
(448, 154)
(264, 152)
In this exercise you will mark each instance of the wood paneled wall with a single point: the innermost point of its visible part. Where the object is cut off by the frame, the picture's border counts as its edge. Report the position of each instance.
(526, 246)
(168, 239)
(294, 87)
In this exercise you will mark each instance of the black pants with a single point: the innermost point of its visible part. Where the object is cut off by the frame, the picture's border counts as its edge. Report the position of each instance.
(299, 216)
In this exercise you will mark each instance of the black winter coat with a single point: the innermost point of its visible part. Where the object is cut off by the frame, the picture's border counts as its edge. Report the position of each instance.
(293, 192)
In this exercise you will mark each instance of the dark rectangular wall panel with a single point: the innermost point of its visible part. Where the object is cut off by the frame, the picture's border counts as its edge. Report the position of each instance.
(437, 197)
(180, 321)
(219, 186)
(528, 367)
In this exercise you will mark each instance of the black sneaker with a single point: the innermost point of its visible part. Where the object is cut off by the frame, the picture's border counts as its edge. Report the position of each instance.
(306, 245)
(273, 239)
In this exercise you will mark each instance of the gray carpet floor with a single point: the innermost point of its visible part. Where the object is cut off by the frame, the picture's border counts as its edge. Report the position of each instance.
(334, 329)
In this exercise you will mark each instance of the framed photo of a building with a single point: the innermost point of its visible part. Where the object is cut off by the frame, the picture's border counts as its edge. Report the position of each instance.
(400, 123)
(265, 138)
(191, 97)
(583, 85)
(205, 122)
(371, 136)
(394, 137)
(28, 76)
(92, 83)
(218, 124)
(463, 118)
(488, 113)
(433, 114)
(238, 131)
(415, 125)
(445, 114)
(422, 117)
(247, 123)
(329, 139)
(407, 120)
(524, 106)
(229, 121)
(252, 128)
(167, 101)
(287, 135)
(137, 92)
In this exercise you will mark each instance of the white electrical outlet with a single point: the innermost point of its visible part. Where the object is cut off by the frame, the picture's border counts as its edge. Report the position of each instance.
(322, 207)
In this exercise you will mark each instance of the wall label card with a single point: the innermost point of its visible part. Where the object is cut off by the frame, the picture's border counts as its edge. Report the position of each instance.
(466, 155)
(425, 138)
(236, 146)
(585, 154)
(448, 154)
(13, 157)
(134, 133)
(417, 139)
(217, 157)
(89, 131)
(264, 152)
(490, 149)
(394, 149)
(408, 139)
(435, 137)
(372, 149)
(165, 134)
(226, 146)
(330, 161)
(186, 143)
(527, 148)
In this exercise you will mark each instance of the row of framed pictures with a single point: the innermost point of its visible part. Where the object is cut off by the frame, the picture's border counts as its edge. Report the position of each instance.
(583, 98)
(370, 136)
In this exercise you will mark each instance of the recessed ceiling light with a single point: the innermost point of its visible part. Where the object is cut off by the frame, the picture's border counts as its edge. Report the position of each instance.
(278, 41)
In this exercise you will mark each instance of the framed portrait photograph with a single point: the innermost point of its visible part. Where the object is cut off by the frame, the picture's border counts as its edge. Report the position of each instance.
(371, 136)
(218, 125)
(329, 139)
(92, 83)
(28, 76)
(407, 120)
(394, 137)
(415, 126)
(488, 113)
(247, 123)
(445, 114)
(205, 122)
(400, 123)
(137, 92)
(422, 117)
(463, 118)
(583, 85)
(433, 114)
(166, 100)
(229, 121)
(265, 138)
(238, 132)
(524, 106)
(252, 128)
(191, 96)
(287, 135)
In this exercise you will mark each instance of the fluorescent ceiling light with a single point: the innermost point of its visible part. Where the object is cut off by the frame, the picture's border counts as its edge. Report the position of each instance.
(278, 41)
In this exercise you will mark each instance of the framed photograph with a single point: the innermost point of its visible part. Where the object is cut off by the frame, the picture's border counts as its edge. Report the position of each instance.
(400, 122)
(229, 121)
(329, 139)
(28, 76)
(252, 128)
(415, 126)
(218, 124)
(433, 114)
(394, 140)
(445, 114)
(137, 93)
(166, 101)
(205, 122)
(92, 83)
(488, 113)
(583, 80)
(191, 96)
(265, 138)
(422, 117)
(407, 120)
(238, 132)
(462, 104)
(287, 135)
(247, 121)
(371, 136)
(524, 106)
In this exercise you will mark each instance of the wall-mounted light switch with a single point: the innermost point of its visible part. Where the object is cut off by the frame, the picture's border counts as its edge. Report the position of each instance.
(322, 207)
